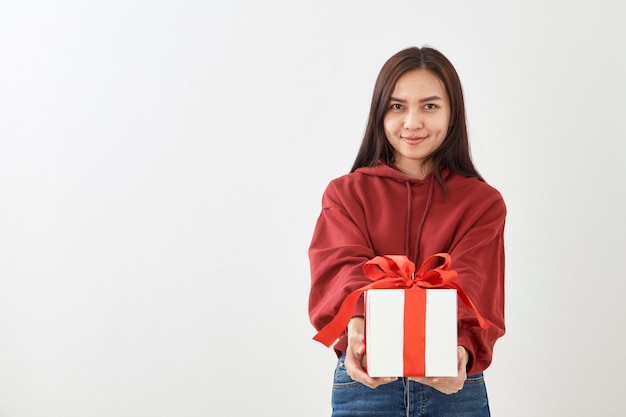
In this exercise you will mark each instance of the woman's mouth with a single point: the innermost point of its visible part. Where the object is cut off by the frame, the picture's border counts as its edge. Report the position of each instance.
(413, 140)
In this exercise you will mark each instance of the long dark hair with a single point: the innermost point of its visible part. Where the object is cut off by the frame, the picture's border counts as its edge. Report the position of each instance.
(454, 152)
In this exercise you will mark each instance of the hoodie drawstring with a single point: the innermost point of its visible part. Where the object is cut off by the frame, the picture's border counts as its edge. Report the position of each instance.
(407, 228)
(429, 199)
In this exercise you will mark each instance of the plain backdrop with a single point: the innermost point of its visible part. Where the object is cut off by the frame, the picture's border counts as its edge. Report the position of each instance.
(161, 171)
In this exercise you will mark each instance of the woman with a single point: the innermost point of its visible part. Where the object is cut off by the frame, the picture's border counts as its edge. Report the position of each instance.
(413, 190)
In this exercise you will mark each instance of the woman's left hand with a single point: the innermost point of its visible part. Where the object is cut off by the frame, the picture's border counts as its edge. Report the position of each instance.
(449, 384)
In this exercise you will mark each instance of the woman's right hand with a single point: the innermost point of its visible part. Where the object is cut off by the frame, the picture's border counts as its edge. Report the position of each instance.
(355, 356)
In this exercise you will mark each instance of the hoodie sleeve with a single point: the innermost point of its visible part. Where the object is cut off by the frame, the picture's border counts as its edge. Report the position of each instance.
(478, 257)
(339, 248)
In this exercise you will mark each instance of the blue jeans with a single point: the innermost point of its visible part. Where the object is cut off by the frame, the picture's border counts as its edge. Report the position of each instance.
(404, 398)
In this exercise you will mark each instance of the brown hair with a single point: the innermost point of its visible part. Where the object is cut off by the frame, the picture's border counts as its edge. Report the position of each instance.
(454, 152)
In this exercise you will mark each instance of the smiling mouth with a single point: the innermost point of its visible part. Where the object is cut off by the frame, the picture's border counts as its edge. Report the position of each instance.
(413, 140)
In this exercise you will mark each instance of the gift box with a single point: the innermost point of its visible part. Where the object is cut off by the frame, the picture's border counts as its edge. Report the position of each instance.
(410, 316)
(411, 332)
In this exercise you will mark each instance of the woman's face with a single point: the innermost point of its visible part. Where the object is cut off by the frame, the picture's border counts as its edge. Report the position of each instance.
(417, 120)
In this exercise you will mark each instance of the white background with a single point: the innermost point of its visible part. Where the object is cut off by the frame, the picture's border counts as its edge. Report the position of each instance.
(161, 170)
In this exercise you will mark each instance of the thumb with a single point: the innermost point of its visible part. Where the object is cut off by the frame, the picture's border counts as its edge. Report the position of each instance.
(358, 347)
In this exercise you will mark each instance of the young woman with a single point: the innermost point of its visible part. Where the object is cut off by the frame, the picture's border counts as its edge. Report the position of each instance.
(413, 190)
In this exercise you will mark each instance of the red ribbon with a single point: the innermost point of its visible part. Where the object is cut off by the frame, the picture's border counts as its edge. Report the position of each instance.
(396, 271)
(414, 346)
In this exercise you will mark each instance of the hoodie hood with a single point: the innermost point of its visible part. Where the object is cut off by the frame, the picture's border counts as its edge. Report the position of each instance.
(385, 171)
(390, 171)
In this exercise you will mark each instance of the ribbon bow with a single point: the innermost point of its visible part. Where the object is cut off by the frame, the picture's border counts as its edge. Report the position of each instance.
(396, 271)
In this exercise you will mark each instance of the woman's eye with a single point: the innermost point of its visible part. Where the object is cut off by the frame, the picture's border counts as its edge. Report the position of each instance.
(396, 106)
(431, 106)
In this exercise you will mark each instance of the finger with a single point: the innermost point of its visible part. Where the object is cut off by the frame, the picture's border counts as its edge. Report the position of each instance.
(376, 382)
(359, 375)
(422, 379)
(357, 345)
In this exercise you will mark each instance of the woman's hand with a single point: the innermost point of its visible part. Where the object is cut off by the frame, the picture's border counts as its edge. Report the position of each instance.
(355, 356)
(449, 385)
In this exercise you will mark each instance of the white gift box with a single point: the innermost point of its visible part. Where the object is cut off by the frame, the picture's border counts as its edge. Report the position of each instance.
(385, 332)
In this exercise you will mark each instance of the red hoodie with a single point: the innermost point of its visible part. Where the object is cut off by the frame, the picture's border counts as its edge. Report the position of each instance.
(381, 211)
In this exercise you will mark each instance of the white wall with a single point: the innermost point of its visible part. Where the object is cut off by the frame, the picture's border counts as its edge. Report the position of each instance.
(161, 170)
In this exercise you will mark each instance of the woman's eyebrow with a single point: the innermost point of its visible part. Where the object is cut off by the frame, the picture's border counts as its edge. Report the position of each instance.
(421, 100)
(431, 98)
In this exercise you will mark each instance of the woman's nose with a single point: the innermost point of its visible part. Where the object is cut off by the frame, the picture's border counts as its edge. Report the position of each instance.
(413, 120)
